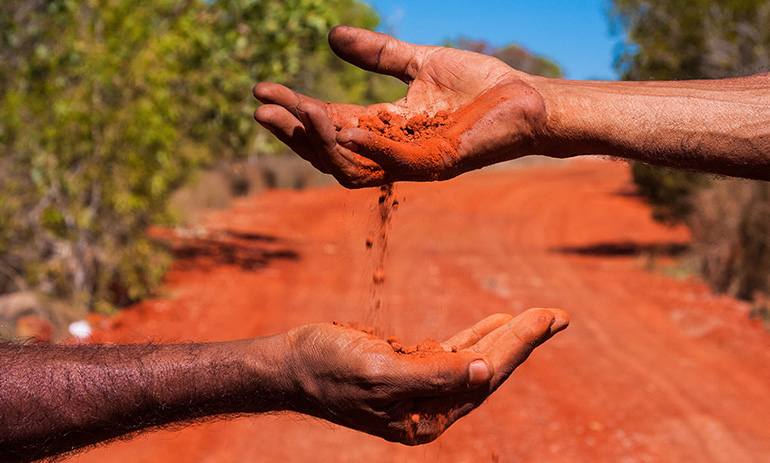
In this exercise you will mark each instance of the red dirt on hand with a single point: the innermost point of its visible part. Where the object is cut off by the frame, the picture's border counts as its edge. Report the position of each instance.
(398, 128)
(425, 143)
(426, 347)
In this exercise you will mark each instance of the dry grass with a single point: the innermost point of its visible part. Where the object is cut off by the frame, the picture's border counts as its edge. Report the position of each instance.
(731, 236)
(728, 218)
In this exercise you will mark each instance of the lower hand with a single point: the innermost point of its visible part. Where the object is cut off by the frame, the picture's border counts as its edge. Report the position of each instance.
(357, 380)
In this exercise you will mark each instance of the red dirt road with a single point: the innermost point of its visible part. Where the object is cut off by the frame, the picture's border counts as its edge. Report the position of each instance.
(652, 369)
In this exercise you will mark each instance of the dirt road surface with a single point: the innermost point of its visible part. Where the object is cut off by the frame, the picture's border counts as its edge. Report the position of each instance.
(652, 369)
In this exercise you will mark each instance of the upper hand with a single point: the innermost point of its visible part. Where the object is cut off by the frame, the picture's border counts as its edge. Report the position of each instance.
(494, 113)
(356, 380)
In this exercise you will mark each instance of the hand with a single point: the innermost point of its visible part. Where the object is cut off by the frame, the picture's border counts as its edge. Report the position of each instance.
(489, 113)
(356, 380)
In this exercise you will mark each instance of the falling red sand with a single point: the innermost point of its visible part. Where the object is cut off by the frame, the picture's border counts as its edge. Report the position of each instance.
(377, 245)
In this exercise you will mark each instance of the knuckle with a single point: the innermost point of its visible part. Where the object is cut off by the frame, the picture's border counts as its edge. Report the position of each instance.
(439, 381)
(374, 368)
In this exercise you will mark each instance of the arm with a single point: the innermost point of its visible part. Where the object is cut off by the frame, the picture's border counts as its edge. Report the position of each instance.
(492, 113)
(55, 400)
(717, 126)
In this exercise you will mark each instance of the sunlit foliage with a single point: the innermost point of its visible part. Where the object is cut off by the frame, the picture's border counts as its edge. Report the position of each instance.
(106, 106)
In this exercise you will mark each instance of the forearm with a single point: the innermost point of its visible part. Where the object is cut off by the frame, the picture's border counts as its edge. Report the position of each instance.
(719, 126)
(57, 399)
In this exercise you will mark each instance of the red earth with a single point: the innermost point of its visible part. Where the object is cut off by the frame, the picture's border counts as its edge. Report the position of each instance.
(652, 368)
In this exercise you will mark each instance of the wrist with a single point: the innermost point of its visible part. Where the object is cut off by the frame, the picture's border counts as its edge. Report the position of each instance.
(570, 127)
(269, 379)
(300, 378)
(505, 122)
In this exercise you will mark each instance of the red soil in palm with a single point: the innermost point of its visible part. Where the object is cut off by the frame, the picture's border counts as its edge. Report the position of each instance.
(425, 142)
(652, 368)
(414, 129)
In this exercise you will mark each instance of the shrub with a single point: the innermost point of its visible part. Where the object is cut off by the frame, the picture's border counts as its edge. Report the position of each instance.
(669, 191)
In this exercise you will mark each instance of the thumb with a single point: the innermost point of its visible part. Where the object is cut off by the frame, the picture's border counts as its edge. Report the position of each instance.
(441, 373)
(510, 345)
(375, 52)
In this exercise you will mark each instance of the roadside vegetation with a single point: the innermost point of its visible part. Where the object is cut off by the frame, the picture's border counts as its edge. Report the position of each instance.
(116, 116)
(107, 107)
(111, 112)
(702, 39)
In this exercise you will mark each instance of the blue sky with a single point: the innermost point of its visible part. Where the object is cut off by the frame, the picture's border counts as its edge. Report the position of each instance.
(573, 33)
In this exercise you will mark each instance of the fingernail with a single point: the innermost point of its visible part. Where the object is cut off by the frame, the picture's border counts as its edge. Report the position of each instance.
(479, 373)
(559, 324)
(352, 146)
(560, 321)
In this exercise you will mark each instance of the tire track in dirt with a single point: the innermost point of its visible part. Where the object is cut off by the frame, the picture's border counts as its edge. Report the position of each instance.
(652, 369)
(717, 441)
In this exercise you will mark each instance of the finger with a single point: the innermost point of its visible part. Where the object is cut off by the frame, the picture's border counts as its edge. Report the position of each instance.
(289, 130)
(560, 322)
(436, 374)
(508, 346)
(470, 336)
(270, 93)
(347, 167)
(380, 149)
(377, 52)
(322, 136)
(341, 114)
(345, 115)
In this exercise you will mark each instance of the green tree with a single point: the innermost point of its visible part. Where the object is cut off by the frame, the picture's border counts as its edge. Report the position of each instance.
(89, 135)
(258, 40)
(106, 106)
(692, 39)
